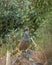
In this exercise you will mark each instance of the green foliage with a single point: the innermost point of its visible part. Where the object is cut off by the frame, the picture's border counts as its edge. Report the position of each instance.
(18, 14)
(44, 33)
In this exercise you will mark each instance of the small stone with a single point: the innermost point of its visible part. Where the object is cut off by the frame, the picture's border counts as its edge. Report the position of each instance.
(1, 58)
(30, 59)
(34, 64)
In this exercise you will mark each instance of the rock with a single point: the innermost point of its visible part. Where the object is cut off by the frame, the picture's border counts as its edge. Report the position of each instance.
(24, 55)
(27, 54)
(29, 51)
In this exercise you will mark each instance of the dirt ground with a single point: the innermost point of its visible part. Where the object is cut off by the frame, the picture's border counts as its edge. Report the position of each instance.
(27, 58)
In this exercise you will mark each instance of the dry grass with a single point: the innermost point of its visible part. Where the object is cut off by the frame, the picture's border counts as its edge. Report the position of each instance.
(48, 52)
(37, 56)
